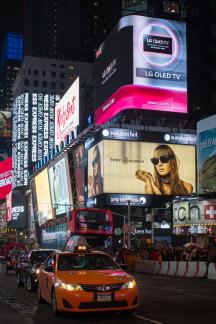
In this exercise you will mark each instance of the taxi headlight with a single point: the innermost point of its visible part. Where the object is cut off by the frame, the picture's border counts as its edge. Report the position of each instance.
(68, 286)
(129, 285)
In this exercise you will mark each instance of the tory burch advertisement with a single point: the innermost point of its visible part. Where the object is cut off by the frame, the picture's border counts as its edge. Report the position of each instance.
(141, 168)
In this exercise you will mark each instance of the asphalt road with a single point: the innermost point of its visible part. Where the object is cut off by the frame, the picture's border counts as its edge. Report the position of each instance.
(164, 299)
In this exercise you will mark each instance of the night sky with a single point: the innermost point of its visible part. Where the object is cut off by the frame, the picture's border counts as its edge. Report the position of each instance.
(11, 17)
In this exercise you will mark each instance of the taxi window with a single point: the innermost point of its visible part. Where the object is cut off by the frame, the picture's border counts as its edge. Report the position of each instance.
(69, 262)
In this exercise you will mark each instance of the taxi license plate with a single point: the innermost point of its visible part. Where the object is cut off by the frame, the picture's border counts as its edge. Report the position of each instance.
(104, 298)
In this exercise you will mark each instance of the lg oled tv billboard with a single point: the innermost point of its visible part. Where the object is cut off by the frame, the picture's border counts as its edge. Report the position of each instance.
(67, 113)
(126, 167)
(141, 65)
(206, 155)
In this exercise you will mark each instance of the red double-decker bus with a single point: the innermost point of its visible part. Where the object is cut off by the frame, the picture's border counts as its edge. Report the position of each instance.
(95, 224)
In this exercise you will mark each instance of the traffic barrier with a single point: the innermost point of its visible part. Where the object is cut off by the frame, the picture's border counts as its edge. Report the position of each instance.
(173, 268)
(212, 271)
(147, 266)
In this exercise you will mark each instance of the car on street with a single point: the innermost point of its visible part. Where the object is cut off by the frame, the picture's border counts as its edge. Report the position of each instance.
(27, 265)
(85, 281)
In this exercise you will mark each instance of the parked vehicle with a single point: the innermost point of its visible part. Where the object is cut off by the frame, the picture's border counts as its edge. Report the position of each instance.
(11, 253)
(27, 265)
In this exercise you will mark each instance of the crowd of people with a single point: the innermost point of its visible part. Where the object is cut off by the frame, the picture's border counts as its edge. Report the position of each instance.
(184, 253)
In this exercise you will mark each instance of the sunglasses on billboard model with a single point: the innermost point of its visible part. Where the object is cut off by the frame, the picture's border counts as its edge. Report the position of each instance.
(95, 161)
(162, 159)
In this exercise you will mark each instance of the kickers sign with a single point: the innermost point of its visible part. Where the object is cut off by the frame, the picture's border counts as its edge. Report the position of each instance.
(67, 113)
(5, 177)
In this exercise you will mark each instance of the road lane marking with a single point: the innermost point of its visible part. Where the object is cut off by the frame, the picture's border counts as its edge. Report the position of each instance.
(146, 319)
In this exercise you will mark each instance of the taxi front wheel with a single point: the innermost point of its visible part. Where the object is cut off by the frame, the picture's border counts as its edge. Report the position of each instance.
(54, 305)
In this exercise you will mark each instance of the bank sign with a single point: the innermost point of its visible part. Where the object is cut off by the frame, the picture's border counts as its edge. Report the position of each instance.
(67, 113)
(194, 212)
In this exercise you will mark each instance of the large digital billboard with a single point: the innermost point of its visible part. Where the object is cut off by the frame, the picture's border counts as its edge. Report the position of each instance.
(141, 65)
(67, 113)
(5, 124)
(206, 155)
(5, 177)
(60, 186)
(33, 132)
(41, 197)
(126, 167)
(79, 172)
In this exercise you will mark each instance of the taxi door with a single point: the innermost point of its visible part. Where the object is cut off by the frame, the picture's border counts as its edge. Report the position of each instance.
(49, 275)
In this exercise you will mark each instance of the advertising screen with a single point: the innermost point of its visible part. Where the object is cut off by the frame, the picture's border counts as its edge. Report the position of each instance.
(60, 186)
(93, 222)
(141, 65)
(79, 172)
(5, 123)
(41, 197)
(67, 113)
(125, 167)
(5, 177)
(206, 155)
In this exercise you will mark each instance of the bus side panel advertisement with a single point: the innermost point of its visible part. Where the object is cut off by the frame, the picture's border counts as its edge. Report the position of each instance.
(159, 68)
(125, 167)
(60, 186)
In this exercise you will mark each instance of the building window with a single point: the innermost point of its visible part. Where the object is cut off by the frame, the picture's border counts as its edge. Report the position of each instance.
(53, 74)
(53, 85)
(171, 7)
(35, 83)
(43, 73)
(62, 66)
(44, 84)
(35, 72)
(61, 85)
(29, 71)
(53, 65)
(26, 82)
(62, 75)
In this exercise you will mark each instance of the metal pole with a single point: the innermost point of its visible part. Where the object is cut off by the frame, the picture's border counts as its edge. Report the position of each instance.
(152, 221)
(129, 226)
(124, 233)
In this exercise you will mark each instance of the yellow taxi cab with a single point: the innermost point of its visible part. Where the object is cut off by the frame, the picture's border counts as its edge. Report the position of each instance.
(85, 281)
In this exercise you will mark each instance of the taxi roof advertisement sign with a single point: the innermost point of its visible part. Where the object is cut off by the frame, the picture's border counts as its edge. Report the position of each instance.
(67, 113)
(141, 65)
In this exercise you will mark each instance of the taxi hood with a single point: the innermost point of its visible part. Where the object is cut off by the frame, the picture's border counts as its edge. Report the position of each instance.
(94, 277)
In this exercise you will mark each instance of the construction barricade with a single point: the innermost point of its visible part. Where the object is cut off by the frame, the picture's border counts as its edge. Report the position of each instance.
(212, 271)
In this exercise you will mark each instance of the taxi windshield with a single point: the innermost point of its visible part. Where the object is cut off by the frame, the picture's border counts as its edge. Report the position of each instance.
(86, 262)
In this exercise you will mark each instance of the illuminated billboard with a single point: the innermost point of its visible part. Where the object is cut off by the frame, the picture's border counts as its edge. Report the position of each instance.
(60, 186)
(141, 65)
(79, 172)
(33, 132)
(206, 155)
(126, 167)
(41, 197)
(5, 123)
(67, 113)
(5, 177)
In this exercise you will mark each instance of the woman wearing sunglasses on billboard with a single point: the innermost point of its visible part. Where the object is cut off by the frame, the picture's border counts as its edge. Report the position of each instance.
(95, 183)
(166, 180)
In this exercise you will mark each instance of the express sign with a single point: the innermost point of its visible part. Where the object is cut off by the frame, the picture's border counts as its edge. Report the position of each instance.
(67, 113)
